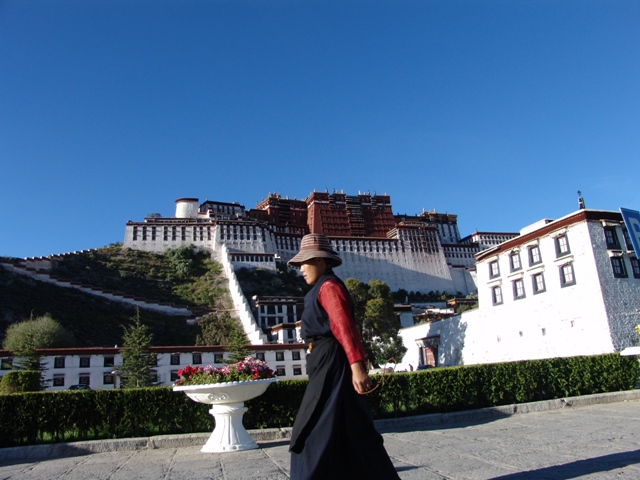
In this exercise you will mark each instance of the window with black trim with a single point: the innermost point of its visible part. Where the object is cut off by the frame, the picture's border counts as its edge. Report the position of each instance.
(295, 355)
(518, 289)
(175, 359)
(196, 358)
(297, 370)
(538, 283)
(217, 358)
(85, 362)
(108, 379)
(562, 246)
(260, 356)
(83, 379)
(635, 267)
(617, 265)
(627, 239)
(279, 356)
(494, 269)
(567, 277)
(496, 295)
(280, 371)
(534, 255)
(173, 376)
(611, 237)
(58, 380)
(514, 260)
(6, 363)
(109, 361)
(58, 362)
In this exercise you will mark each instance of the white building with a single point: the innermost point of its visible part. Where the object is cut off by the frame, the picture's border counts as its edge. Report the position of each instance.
(98, 367)
(561, 288)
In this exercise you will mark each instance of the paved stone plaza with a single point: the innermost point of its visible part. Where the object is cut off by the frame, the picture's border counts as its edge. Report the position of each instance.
(594, 437)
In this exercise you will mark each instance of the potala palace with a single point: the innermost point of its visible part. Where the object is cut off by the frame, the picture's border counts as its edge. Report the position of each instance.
(560, 287)
(419, 253)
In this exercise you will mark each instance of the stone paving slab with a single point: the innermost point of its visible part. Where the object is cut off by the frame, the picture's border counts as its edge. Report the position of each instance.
(593, 438)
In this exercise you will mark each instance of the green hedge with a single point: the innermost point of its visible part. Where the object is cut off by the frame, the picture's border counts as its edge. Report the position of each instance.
(477, 386)
(41, 417)
(20, 381)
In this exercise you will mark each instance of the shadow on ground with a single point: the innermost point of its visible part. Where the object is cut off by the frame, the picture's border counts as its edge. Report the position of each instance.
(578, 468)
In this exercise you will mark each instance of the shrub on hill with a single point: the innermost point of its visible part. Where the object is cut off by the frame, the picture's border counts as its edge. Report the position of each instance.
(284, 281)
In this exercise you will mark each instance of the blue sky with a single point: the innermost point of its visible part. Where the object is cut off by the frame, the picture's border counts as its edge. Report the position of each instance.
(497, 111)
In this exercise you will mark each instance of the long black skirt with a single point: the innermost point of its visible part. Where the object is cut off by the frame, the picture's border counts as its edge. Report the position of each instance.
(333, 435)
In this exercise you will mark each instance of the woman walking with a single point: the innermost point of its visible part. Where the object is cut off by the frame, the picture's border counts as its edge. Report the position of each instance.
(333, 435)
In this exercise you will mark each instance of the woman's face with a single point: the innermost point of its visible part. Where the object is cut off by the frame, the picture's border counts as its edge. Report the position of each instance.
(313, 269)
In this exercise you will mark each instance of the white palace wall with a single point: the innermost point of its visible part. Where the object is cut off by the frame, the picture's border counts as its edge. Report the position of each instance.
(364, 260)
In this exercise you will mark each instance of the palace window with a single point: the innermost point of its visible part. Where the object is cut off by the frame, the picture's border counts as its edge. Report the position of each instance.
(496, 295)
(260, 356)
(297, 370)
(295, 355)
(611, 237)
(534, 255)
(196, 358)
(85, 362)
(58, 362)
(538, 283)
(562, 246)
(635, 267)
(494, 269)
(518, 289)
(175, 359)
(566, 275)
(6, 363)
(281, 371)
(83, 379)
(58, 380)
(617, 265)
(108, 379)
(109, 361)
(514, 260)
(217, 358)
(627, 239)
(279, 356)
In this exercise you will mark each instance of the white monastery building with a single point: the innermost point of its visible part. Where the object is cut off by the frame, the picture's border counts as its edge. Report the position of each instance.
(561, 288)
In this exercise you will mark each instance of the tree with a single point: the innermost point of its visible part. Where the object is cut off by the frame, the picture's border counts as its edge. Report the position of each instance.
(136, 358)
(376, 320)
(23, 339)
(238, 347)
(218, 329)
(224, 330)
(181, 260)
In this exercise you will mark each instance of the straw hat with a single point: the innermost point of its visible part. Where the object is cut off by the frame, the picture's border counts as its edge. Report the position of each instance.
(315, 245)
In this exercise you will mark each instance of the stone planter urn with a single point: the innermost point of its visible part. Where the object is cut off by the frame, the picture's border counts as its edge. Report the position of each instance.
(227, 407)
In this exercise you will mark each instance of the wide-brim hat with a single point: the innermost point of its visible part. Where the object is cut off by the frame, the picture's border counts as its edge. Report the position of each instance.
(315, 245)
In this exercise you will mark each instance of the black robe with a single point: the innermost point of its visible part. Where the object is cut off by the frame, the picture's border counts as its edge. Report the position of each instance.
(333, 435)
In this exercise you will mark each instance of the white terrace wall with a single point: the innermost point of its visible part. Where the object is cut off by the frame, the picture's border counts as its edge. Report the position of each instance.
(251, 328)
(364, 260)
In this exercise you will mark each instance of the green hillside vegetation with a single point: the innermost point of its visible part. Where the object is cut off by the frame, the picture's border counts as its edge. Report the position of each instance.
(180, 276)
(284, 281)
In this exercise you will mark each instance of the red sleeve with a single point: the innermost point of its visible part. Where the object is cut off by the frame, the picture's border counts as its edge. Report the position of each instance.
(334, 298)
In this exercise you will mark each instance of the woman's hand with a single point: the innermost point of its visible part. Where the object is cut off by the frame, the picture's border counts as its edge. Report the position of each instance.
(360, 379)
